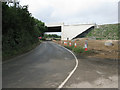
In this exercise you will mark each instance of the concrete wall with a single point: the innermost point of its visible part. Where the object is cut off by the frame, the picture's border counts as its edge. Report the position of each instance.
(71, 31)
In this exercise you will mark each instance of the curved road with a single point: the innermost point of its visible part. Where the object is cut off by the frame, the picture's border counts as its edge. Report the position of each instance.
(44, 67)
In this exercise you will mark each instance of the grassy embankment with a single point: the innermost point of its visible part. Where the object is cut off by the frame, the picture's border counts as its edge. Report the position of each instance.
(107, 32)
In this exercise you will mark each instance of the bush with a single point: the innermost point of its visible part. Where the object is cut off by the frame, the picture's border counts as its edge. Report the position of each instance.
(19, 30)
(77, 49)
(70, 47)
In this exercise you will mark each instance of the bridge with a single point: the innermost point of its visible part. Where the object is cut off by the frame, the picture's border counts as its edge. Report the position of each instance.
(69, 32)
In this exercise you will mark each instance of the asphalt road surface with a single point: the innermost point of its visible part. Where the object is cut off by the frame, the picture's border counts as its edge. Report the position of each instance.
(44, 67)
(49, 64)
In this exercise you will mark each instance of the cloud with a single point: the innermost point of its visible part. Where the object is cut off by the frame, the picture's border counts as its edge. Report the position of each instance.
(74, 11)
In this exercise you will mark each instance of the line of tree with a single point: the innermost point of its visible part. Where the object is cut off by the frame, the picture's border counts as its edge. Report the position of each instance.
(19, 28)
(51, 36)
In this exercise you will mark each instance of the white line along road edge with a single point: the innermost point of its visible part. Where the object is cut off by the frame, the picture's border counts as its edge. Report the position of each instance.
(71, 73)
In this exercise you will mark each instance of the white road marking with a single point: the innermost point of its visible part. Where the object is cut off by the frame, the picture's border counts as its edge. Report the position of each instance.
(71, 73)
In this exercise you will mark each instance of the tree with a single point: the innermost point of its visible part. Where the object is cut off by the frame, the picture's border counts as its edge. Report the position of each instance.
(20, 29)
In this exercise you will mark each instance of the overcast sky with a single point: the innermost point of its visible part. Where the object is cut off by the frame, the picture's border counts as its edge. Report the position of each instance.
(74, 11)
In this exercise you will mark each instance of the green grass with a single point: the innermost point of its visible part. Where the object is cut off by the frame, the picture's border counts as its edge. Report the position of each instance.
(77, 49)
(108, 31)
(6, 55)
(70, 47)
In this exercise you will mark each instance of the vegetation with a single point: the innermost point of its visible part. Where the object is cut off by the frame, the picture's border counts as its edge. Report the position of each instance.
(20, 30)
(51, 36)
(77, 49)
(109, 31)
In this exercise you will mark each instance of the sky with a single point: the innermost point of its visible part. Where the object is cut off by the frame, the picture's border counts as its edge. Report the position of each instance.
(119, 12)
(74, 11)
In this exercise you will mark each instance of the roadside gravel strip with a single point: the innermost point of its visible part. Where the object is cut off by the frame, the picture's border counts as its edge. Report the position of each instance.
(71, 73)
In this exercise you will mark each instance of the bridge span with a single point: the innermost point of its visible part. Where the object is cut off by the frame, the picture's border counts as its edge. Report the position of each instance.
(69, 32)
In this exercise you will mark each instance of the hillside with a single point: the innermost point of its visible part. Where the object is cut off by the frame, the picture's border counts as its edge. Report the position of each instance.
(108, 31)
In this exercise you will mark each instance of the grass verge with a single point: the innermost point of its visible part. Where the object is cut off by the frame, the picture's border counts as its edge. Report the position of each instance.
(11, 54)
(79, 50)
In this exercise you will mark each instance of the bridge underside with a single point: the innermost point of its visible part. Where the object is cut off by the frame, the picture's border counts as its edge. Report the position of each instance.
(54, 29)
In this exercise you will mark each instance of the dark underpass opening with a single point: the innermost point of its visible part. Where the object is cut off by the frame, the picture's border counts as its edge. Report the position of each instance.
(54, 29)
(53, 33)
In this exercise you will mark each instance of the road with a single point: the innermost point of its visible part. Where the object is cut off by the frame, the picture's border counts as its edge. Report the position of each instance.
(44, 67)
(94, 73)
(48, 65)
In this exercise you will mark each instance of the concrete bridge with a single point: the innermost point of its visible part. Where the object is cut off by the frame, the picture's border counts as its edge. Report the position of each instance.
(69, 32)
